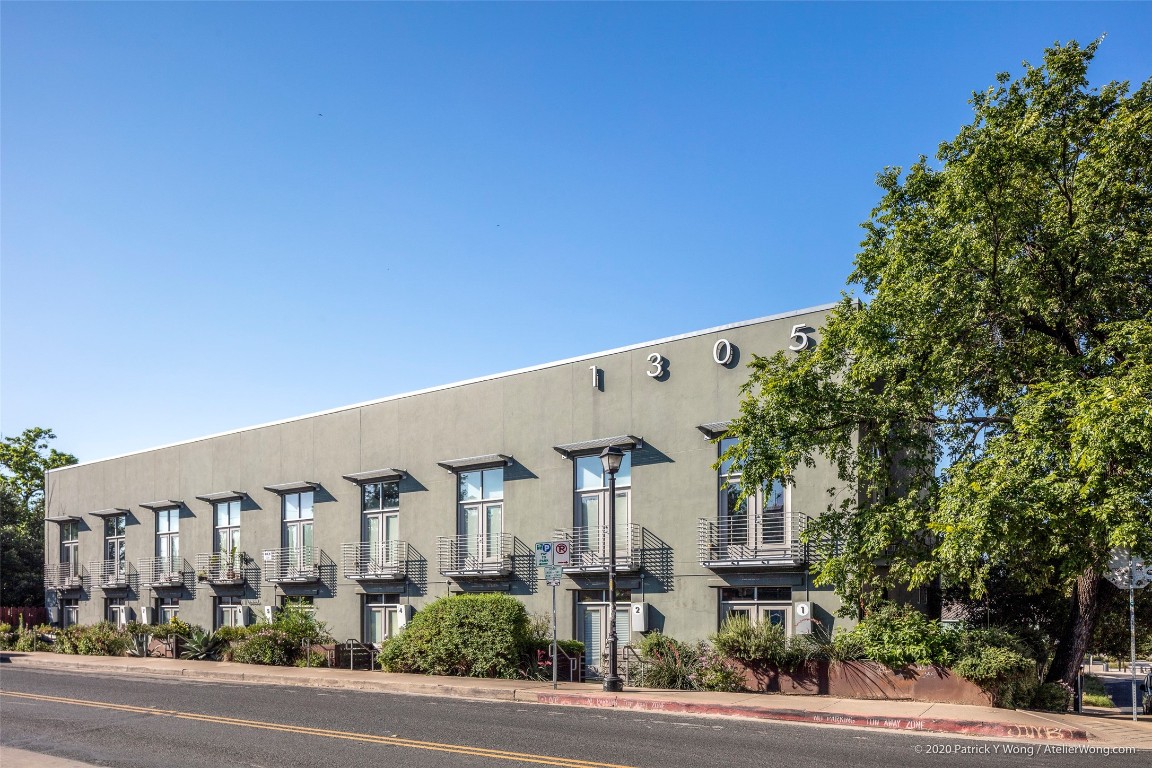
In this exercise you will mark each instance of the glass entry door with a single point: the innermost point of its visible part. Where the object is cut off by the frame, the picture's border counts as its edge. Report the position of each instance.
(381, 534)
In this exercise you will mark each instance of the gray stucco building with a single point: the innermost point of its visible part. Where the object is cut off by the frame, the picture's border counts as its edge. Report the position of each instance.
(372, 510)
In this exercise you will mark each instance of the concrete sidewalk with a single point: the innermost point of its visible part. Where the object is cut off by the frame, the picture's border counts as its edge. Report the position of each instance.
(1099, 730)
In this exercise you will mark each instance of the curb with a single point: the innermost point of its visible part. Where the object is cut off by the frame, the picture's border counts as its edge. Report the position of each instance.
(926, 724)
(591, 701)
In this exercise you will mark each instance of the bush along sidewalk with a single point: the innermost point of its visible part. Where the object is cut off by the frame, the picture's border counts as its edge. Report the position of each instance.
(896, 652)
(285, 641)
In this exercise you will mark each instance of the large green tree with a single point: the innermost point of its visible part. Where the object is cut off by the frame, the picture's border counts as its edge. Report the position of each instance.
(988, 399)
(23, 461)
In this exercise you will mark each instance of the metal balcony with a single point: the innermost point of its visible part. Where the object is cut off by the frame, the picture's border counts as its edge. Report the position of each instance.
(221, 568)
(163, 571)
(590, 548)
(381, 561)
(293, 565)
(111, 574)
(475, 556)
(756, 541)
(64, 577)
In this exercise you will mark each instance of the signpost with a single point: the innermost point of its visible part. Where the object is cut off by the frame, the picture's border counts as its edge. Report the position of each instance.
(552, 556)
(1131, 572)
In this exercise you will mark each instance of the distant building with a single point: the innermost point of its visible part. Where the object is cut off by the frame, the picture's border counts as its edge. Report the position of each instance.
(370, 511)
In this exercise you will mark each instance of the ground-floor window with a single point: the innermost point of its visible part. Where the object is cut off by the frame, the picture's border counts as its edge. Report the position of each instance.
(307, 602)
(758, 604)
(384, 617)
(229, 612)
(592, 626)
(167, 608)
(69, 612)
(116, 611)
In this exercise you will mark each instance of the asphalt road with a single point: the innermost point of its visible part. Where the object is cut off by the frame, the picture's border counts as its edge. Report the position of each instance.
(130, 722)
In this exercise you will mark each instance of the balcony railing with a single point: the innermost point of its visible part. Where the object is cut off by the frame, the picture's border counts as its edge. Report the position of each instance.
(64, 576)
(476, 556)
(381, 561)
(111, 574)
(753, 541)
(292, 564)
(221, 568)
(163, 571)
(590, 547)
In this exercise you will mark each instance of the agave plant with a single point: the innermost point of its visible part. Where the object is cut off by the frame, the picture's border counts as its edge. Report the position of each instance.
(202, 645)
(138, 644)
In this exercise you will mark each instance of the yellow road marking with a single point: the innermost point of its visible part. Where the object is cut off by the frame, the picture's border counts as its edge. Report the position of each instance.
(461, 749)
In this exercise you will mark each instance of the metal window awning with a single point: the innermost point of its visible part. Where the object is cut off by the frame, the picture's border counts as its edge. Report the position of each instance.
(630, 442)
(222, 496)
(61, 519)
(292, 487)
(162, 504)
(386, 474)
(714, 429)
(476, 462)
(109, 512)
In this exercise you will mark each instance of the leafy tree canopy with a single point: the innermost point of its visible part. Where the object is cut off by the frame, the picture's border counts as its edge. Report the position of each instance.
(23, 461)
(989, 403)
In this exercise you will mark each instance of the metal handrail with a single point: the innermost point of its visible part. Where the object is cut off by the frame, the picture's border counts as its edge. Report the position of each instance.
(221, 567)
(589, 546)
(160, 571)
(475, 555)
(375, 560)
(292, 564)
(763, 539)
(111, 573)
(64, 576)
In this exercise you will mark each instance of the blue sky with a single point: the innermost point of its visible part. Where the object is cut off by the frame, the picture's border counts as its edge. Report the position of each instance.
(215, 215)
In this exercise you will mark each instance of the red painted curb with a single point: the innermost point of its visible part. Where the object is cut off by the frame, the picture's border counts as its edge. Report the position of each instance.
(933, 724)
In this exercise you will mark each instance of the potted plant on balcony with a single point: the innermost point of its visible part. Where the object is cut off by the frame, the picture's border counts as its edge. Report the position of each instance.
(232, 569)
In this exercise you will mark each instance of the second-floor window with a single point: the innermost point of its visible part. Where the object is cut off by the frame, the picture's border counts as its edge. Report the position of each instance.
(592, 505)
(168, 537)
(114, 552)
(756, 521)
(380, 503)
(70, 548)
(298, 529)
(481, 512)
(228, 527)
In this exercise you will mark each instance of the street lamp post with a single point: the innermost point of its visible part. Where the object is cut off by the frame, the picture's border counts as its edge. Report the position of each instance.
(611, 459)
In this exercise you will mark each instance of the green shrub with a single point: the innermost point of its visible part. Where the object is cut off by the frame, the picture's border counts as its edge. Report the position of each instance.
(1052, 697)
(997, 661)
(266, 645)
(299, 622)
(101, 639)
(481, 635)
(846, 645)
(32, 638)
(761, 643)
(313, 659)
(8, 635)
(716, 673)
(668, 662)
(900, 635)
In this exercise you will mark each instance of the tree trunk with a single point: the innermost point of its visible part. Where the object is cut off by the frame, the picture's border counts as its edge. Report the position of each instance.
(1085, 610)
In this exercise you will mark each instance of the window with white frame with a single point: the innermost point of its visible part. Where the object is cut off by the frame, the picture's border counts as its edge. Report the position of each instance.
(168, 540)
(116, 611)
(69, 550)
(115, 561)
(227, 538)
(757, 522)
(591, 509)
(229, 611)
(481, 513)
(758, 604)
(167, 608)
(383, 617)
(380, 505)
(69, 612)
(298, 531)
